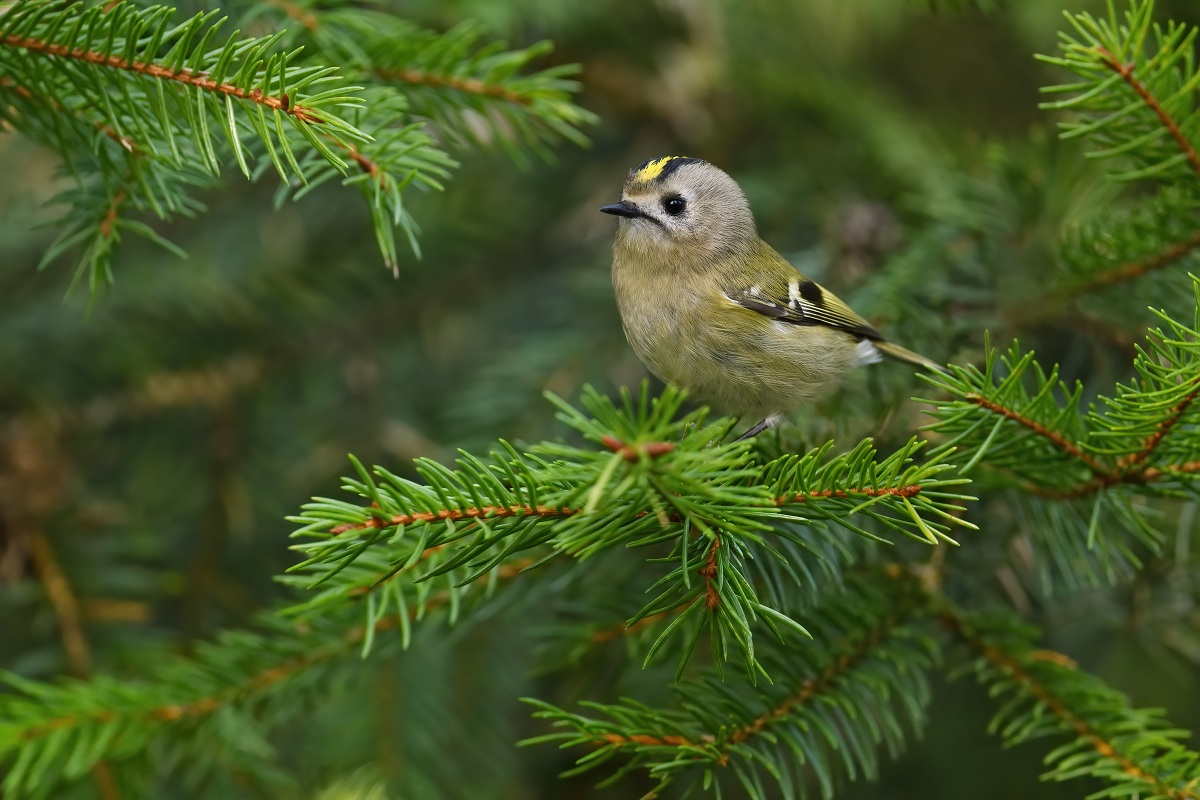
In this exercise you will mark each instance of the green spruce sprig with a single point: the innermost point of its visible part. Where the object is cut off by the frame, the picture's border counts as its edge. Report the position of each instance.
(1043, 694)
(806, 726)
(478, 94)
(1137, 98)
(145, 111)
(726, 527)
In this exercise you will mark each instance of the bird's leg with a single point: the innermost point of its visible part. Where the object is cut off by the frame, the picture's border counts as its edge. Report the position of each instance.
(760, 427)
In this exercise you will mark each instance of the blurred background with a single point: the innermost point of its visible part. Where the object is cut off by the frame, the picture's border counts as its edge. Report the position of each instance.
(153, 441)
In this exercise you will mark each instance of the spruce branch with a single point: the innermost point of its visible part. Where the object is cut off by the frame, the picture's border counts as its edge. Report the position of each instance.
(54, 734)
(1116, 249)
(865, 654)
(125, 62)
(182, 107)
(398, 153)
(160, 95)
(1059, 451)
(1136, 97)
(8, 85)
(813, 562)
(1032, 435)
(1131, 270)
(188, 77)
(118, 177)
(477, 94)
(735, 534)
(1135, 751)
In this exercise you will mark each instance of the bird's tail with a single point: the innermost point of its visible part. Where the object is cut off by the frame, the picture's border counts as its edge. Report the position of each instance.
(903, 354)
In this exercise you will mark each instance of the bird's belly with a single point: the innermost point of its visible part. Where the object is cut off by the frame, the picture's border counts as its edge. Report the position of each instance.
(766, 367)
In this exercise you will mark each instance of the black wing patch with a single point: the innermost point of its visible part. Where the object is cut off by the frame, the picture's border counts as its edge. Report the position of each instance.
(811, 293)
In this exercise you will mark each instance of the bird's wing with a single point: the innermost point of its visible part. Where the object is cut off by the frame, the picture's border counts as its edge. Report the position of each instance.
(784, 294)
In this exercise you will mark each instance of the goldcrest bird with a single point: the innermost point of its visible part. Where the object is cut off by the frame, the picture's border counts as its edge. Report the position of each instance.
(710, 307)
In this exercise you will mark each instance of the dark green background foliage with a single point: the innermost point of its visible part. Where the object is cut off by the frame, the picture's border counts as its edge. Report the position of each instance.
(155, 435)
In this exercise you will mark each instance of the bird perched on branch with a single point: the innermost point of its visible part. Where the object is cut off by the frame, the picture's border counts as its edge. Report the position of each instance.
(709, 306)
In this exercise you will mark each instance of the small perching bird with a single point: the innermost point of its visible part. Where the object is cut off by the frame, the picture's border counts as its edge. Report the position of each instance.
(709, 306)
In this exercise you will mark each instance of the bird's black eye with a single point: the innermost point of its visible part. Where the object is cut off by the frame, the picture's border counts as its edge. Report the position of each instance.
(674, 205)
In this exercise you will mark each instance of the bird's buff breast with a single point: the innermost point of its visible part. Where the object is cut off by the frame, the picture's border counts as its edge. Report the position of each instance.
(728, 357)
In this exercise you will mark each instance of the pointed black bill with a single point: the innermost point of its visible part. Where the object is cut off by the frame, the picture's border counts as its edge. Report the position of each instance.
(622, 209)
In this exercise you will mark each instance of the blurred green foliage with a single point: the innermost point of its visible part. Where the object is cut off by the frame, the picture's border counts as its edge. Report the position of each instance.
(158, 438)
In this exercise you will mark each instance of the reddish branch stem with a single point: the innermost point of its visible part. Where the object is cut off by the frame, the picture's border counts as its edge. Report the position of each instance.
(1019, 674)
(365, 164)
(1167, 121)
(185, 76)
(1164, 427)
(1173, 252)
(1136, 477)
(667, 740)
(64, 602)
(297, 13)
(851, 658)
(107, 130)
(1054, 437)
(912, 490)
(418, 77)
(712, 598)
(106, 782)
(455, 514)
(809, 689)
(490, 512)
(110, 216)
(615, 632)
(1129, 470)
(1135, 269)
(634, 452)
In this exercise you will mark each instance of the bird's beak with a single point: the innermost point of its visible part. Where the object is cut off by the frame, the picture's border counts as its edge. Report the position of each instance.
(622, 209)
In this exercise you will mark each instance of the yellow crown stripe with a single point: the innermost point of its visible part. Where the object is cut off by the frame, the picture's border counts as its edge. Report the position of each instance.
(652, 169)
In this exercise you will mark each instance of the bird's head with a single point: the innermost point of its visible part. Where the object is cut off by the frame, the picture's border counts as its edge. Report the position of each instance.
(685, 206)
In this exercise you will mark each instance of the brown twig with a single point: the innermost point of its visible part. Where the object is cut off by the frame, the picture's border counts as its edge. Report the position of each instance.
(1164, 427)
(455, 514)
(110, 215)
(1138, 477)
(810, 688)
(1167, 121)
(416, 77)
(301, 15)
(185, 76)
(490, 512)
(106, 782)
(1054, 437)
(1012, 666)
(1136, 269)
(617, 631)
(62, 599)
(1129, 469)
(634, 452)
(365, 164)
(125, 142)
(1171, 253)
(712, 598)
(911, 490)
(1051, 305)
(664, 740)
